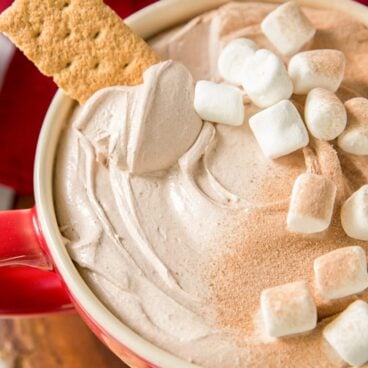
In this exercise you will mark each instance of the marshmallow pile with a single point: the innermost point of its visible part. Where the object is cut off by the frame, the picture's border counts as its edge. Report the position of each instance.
(318, 75)
(262, 76)
(290, 308)
(279, 128)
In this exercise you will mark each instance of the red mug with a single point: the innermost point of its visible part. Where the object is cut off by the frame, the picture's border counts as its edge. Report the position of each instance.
(38, 275)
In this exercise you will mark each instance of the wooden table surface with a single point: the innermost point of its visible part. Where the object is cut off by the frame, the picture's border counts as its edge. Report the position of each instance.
(58, 341)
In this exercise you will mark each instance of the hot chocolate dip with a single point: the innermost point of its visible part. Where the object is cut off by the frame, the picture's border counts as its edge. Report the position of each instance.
(197, 205)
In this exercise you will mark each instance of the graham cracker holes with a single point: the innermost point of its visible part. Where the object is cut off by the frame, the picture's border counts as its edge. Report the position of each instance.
(37, 34)
(67, 34)
(68, 65)
(65, 5)
(96, 66)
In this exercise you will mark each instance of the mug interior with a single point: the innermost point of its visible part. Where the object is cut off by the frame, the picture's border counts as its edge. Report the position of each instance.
(147, 23)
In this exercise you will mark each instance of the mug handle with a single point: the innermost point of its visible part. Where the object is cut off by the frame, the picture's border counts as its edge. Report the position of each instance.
(29, 283)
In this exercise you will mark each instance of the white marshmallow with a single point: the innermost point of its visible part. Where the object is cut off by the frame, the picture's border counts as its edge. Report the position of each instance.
(324, 114)
(288, 309)
(317, 68)
(219, 103)
(265, 79)
(355, 138)
(348, 334)
(341, 272)
(287, 28)
(311, 204)
(233, 57)
(354, 214)
(279, 129)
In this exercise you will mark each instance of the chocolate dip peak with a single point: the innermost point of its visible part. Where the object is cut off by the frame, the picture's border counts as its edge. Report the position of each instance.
(147, 127)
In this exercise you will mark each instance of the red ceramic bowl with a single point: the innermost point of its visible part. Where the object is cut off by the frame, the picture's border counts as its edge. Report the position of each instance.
(37, 275)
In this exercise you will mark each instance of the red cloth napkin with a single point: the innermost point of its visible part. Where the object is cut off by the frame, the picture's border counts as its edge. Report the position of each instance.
(24, 99)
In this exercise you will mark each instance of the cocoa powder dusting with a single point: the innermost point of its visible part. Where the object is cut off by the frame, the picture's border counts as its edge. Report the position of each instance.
(326, 62)
(262, 253)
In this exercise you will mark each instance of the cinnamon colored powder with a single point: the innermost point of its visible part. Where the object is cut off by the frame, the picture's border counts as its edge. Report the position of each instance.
(329, 62)
(262, 253)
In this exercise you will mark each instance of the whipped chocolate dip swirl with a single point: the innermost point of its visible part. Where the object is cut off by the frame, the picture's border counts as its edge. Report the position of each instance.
(179, 234)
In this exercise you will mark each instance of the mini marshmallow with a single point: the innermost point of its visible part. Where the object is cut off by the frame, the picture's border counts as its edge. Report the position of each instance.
(265, 79)
(232, 59)
(317, 68)
(348, 334)
(287, 28)
(311, 204)
(341, 272)
(355, 138)
(354, 214)
(325, 115)
(279, 130)
(288, 309)
(219, 103)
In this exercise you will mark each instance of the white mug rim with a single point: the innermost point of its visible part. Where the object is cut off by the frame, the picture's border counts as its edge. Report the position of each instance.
(147, 22)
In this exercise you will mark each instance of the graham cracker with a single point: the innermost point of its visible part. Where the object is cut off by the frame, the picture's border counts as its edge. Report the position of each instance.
(83, 44)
